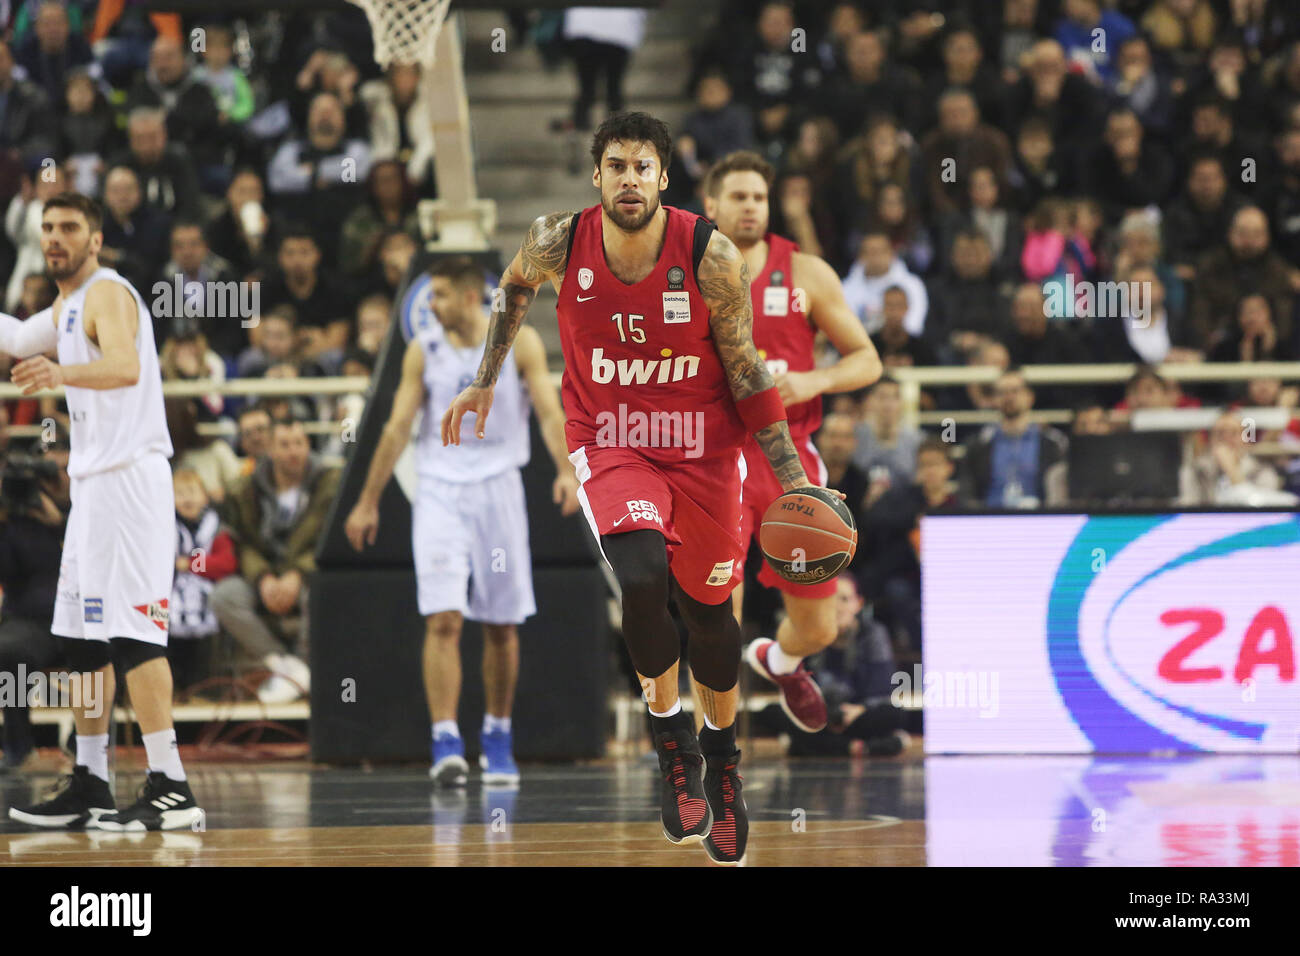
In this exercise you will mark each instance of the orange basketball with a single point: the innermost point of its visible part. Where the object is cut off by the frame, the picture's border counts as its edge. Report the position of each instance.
(808, 535)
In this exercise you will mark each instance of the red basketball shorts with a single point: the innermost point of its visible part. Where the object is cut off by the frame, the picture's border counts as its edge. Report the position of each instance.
(695, 505)
(761, 489)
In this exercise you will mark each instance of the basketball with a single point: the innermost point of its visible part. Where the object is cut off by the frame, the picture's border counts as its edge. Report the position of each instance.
(808, 535)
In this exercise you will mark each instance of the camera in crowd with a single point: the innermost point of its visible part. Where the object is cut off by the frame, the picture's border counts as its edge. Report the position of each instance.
(21, 478)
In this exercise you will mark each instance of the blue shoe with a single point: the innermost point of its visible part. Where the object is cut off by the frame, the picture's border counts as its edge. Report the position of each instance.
(496, 759)
(449, 767)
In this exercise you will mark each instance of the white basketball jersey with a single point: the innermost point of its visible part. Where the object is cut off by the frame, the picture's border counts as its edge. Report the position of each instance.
(448, 370)
(115, 426)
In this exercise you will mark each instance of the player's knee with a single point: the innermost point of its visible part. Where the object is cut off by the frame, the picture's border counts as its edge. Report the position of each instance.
(81, 655)
(128, 653)
(816, 625)
(640, 563)
(500, 634)
(445, 625)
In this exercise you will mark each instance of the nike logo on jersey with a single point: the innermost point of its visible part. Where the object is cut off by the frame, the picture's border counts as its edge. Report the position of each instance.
(586, 298)
(621, 520)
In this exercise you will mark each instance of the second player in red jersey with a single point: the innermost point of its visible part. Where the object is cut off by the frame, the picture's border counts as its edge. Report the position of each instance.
(795, 296)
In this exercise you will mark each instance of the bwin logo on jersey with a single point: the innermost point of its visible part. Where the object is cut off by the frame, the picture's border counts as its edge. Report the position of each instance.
(643, 371)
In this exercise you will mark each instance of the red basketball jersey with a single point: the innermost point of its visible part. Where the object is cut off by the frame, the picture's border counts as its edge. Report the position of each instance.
(783, 334)
(640, 367)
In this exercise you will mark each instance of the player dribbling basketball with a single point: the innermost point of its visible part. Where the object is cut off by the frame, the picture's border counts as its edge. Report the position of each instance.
(794, 296)
(118, 552)
(662, 385)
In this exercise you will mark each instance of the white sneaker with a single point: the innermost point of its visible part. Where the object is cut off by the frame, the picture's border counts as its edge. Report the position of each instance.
(278, 690)
(290, 680)
(296, 669)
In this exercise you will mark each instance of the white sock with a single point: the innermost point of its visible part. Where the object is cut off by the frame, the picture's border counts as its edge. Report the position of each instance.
(163, 753)
(446, 727)
(493, 724)
(92, 753)
(675, 708)
(708, 723)
(779, 662)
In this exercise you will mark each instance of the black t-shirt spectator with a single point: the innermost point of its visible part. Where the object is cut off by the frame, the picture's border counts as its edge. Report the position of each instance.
(329, 300)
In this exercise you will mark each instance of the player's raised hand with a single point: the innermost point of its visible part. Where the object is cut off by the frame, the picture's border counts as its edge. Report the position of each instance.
(474, 399)
(565, 492)
(36, 373)
(362, 525)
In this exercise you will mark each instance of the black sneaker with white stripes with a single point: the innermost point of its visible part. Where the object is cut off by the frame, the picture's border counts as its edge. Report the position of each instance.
(164, 804)
(79, 799)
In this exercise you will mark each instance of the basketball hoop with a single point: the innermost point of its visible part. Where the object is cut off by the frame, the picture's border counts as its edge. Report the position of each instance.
(405, 31)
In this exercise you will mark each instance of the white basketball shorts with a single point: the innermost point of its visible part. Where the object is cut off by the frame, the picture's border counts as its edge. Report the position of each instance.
(119, 555)
(470, 542)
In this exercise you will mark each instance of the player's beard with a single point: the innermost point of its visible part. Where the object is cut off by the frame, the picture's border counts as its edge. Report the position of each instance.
(73, 260)
(631, 222)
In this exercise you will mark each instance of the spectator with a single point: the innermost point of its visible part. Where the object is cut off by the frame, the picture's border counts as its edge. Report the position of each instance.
(767, 75)
(893, 344)
(321, 307)
(964, 69)
(895, 216)
(396, 250)
(243, 234)
(886, 448)
(1214, 131)
(201, 270)
(836, 441)
(345, 411)
(31, 546)
(399, 123)
(1229, 75)
(846, 20)
(87, 132)
(185, 357)
(717, 126)
(855, 675)
(868, 163)
(1198, 220)
(1091, 420)
(374, 314)
(985, 212)
(960, 142)
(316, 179)
(27, 124)
(876, 269)
(1077, 30)
(1182, 30)
(1229, 272)
(135, 235)
(165, 170)
(23, 226)
(1147, 332)
(1139, 87)
(1049, 91)
(890, 573)
(51, 51)
(329, 70)
(227, 84)
(1285, 207)
(1036, 169)
(1254, 337)
(390, 205)
(601, 43)
(1140, 248)
(1128, 170)
(123, 35)
(966, 302)
(193, 120)
(1008, 463)
(277, 343)
(254, 436)
(1228, 474)
(873, 85)
(205, 554)
(981, 396)
(276, 517)
(1036, 341)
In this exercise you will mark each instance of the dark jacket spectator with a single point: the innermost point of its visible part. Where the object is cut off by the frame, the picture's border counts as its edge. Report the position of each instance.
(1198, 220)
(166, 172)
(136, 235)
(51, 51)
(27, 121)
(193, 120)
(1007, 464)
(873, 85)
(1129, 170)
(960, 142)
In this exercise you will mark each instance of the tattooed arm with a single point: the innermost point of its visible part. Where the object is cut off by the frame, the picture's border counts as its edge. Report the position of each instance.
(724, 284)
(540, 259)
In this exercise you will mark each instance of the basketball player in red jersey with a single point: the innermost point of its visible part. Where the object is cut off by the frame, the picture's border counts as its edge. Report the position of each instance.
(662, 385)
(794, 296)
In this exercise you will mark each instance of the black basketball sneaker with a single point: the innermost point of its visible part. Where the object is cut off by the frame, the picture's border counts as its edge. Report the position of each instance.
(726, 841)
(684, 810)
(164, 804)
(78, 800)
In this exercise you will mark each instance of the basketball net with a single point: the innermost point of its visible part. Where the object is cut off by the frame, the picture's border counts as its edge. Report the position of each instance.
(405, 31)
